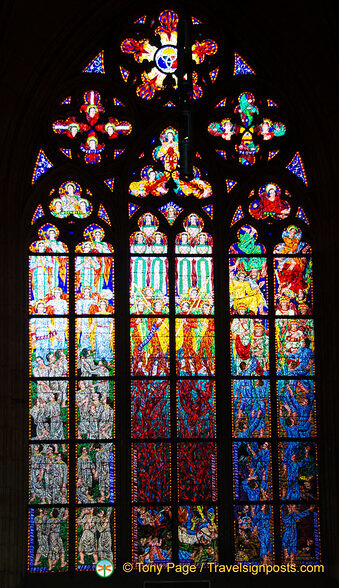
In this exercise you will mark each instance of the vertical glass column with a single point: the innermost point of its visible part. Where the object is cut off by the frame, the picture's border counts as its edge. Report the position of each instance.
(195, 395)
(94, 349)
(48, 402)
(296, 399)
(150, 394)
(250, 389)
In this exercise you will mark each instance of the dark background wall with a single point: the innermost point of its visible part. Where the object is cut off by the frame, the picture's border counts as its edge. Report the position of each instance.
(293, 46)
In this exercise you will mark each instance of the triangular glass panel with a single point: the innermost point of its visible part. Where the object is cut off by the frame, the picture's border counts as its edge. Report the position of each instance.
(96, 65)
(214, 74)
(272, 154)
(230, 184)
(302, 215)
(103, 214)
(67, 152)
(67, 100)
(124, 73)
(42, 165)
(222, 153)
(241, 67)
(209, 210)
(132, 208)
(109, 183)
(39, 213)
(221, 104)
(296, 166)
(238, 215)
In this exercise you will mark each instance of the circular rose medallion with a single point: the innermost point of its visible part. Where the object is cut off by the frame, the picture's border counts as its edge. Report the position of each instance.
(166, 59)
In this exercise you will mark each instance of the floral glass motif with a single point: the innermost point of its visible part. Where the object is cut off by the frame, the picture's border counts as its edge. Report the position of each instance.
(270, 205)
(94, 130)
(155, 182)
(247, 128)
(70, 201)
(162, 57)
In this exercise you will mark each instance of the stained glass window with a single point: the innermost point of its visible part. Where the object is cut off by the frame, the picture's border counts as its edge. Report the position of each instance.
(210, 319)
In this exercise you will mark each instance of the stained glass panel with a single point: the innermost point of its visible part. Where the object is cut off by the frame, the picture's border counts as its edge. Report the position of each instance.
(293, 290)
(152, 535)
(298, 470)
(252, 463)
(197, 471)
(198, 534)
(248, 285)
(251, 408)
(296, 406)
(95, 536)
(52, 522)
(49, 408)
(195, 347)
(149, 347)
(196, 409)
(249, 347)
(95, 406)
(48, 471)
(300, 539)
(150, 409)
(253, 533)
(95, 467)
(295, 347)
(151, 472)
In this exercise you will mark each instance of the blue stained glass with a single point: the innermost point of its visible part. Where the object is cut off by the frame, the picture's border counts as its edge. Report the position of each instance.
(296, 166)
(302, 215)
(241, 67)
(39, 213)
(109, 183)
(96, 65)
(42, 165)
(238, 215)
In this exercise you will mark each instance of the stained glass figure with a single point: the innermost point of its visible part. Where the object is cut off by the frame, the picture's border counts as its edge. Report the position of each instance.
(298, 471)
(296, 406)
(95, 407)
(48, 471)
(92, 110)
(149, 346)
(270, 204)
(292, 242)
(249, 347)
(197, 471)
(42, 165)
(247, 129)
(193, 240)
(154, 182)
(39, 213)
(48, 281)
(70, 202)
(152, 535)
(251, 408)
(293, 285)
(96, 65)
(195, 347)
(194, 285)
(252, 470)
(196, 409)
(95, 478)
(94, 243)
(46, 335)
(149, 285)
(198, 534)
(48, 539)
(95, 536)
(151, 472)
(296, 166)
(162, 57)
(150, 409)
(248, 285)
(95, 344)
(241, 67)
(295, 347)
(253, 532)
(171, 211)
(49, 405)
(300, 539)
(247, 237)
(94, 285)
(148, 240)
(48, 243)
